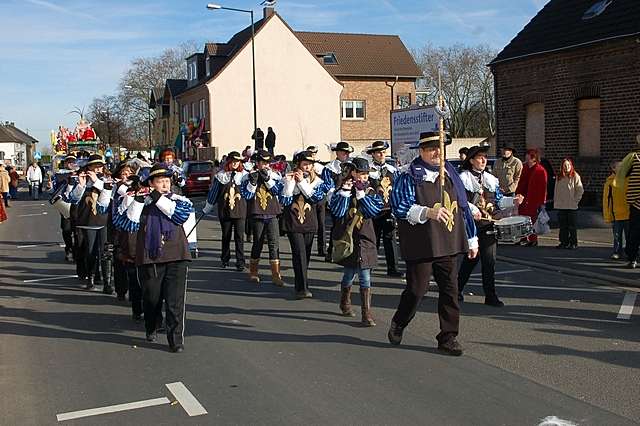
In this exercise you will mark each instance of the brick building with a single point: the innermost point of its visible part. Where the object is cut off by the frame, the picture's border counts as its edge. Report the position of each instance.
(163, 101)
(377, 73)
(569, 83)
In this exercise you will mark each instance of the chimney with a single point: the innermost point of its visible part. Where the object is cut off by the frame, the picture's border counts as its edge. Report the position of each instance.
(267, 11)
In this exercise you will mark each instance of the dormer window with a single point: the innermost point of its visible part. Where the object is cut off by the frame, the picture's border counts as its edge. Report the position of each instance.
(329, 59)
(208, 66)
(192, 71)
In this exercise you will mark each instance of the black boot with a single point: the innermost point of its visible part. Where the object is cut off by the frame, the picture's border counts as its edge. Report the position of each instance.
(107, 287)
(90, 283)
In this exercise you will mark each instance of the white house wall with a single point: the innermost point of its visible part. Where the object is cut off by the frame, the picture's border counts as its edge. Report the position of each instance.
(295, 95)
(11, 150)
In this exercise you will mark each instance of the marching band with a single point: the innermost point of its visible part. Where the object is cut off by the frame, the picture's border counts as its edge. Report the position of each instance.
(132, 222)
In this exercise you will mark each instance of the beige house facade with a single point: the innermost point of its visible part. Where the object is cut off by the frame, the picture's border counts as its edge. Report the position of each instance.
(311, 88)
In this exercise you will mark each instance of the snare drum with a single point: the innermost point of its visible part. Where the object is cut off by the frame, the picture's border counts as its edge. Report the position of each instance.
(513, 229)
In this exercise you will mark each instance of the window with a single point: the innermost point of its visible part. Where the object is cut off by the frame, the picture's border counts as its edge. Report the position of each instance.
(193, 110)
(589, 127)
(185, 113)
(1, 155)
(329, 59)
(422, 98)
(208, 66)
(404, 100)
(534, 133)
(203, 109)
(192, 72)
(353, 110)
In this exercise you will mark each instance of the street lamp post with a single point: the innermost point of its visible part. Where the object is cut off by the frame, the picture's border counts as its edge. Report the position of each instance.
(212, 6)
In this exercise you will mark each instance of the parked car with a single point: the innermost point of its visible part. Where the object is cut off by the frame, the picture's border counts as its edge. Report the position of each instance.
(198, 175)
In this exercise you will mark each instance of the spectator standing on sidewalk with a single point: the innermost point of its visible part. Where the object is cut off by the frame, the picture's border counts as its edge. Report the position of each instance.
(531, 191)
(270, 140)
(34, 179)
(568, 193)
(508, 170)
(616, 210)
(5, 181)
(631, 167)
(13, 184)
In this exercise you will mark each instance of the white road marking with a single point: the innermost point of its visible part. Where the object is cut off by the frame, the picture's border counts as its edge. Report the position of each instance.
(515, 271)
(112, 409)
(186, 399)
(40, 245)
(33, 214)
(50, 278)
(628, 303)
(539, 287)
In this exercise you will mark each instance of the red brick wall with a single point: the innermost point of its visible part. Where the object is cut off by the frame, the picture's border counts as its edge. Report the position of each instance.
(377, 95)
(608, 70)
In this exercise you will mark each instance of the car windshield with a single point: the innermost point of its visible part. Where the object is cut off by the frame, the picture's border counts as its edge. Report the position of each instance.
(200, 167)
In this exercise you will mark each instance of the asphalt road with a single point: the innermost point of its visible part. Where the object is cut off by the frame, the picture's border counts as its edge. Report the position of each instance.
(255, 356)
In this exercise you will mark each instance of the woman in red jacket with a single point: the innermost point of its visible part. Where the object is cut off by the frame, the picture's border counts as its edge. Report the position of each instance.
(531, 191)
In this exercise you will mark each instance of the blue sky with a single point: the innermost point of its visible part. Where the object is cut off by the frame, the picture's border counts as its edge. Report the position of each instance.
(58, 54)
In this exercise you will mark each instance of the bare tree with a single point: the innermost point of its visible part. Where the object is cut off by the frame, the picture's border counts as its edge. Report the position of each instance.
(467, 85)
(109, 121)
(145, 74)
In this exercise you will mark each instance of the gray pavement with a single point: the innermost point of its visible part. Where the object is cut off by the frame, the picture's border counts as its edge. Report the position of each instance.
(255, 356)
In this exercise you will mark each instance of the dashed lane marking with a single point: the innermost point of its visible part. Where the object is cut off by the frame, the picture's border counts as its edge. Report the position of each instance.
(628, 304)
(33, 214)
(112, 409)
(37, 280)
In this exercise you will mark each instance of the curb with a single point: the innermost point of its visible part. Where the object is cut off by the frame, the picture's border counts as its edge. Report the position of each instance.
(592, 277)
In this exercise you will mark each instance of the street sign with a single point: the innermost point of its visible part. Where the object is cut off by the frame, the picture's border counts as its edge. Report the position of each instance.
(37, 155)
(406, 126)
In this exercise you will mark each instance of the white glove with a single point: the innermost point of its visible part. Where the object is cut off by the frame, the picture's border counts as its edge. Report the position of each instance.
(208, 208)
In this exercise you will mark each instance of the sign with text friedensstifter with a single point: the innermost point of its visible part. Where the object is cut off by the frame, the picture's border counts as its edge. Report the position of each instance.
(406, 126)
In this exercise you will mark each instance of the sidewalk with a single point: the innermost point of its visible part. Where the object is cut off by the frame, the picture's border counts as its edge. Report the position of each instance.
(590, 261)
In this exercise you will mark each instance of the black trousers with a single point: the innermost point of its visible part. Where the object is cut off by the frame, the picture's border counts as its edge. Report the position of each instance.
(120, 279)
(78, 254)
(269, 230)
(385, 227)
(568, 231)
(633, 244)
(135, 290)
(235, 226)
(92, 248)
(168, 282)
(321, 215)
(67, 234)
(445, 273)
(487, 245)
(301, 245)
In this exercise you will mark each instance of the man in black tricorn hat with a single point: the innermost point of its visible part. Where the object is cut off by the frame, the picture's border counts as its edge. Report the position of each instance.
(381, 178)
(435, 226)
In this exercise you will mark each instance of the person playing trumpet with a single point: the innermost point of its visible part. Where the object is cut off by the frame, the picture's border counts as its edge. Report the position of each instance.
(232, 207)
(303, 189)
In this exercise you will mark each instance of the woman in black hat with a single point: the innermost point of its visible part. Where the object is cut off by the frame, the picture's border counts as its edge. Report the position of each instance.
(162, 253)
(381, 177)
(232, 208)
(92, 196)
(486, 201)
(337, 171)
(261, 189)
(302, 190)
(354, 205)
